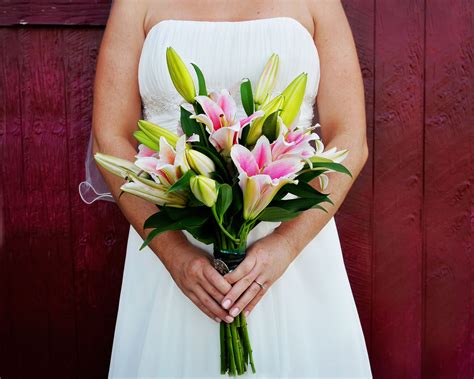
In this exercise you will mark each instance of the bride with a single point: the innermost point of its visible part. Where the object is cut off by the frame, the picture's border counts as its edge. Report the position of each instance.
(292, 285)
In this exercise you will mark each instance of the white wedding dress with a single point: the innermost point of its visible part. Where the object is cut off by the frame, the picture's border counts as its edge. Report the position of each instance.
(306, 325)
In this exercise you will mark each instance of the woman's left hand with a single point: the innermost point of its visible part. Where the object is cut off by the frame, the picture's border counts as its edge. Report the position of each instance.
(266, 260)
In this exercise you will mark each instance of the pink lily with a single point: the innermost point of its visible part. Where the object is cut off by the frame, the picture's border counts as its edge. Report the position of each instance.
(166, 166)
(145, 151)
(220, 119)
(295, 142)
(260, 176)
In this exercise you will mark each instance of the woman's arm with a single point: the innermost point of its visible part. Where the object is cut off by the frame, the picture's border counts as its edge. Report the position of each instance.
(116, 110)
(341, 109)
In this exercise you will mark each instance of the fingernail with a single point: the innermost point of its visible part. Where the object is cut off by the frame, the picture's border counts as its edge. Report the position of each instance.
(226, 303)
(246, 313)
(229, 319)
(217, 319)
(234, 311)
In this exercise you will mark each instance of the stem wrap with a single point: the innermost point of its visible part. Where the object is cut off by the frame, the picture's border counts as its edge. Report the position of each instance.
(231, 258)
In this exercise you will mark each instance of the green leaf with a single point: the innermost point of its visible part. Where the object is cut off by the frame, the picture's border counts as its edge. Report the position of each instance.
(224, 199)
(161, 222)
(247, 96)
(310, 175)
(332, 166)
(201, 81)
(304, 190)
(270, 126)
(275, 214)
(297, 205)
(183, 182)
(187, 217)
(190, 126)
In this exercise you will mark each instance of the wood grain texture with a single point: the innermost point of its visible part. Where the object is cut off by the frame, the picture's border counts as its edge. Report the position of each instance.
(398, 189)
(54, 12)
(354, 217)
(405, 227)
(449, 173)
(99, 230)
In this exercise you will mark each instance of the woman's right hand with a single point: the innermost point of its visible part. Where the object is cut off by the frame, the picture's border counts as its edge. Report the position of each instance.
(193, 272)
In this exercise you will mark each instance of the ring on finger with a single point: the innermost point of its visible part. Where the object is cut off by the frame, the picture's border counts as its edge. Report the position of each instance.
(262, 286)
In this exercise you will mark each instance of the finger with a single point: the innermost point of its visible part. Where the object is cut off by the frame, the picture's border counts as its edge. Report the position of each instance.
(201, 306)
(212, 290)
(238, 289)
(243, 300)
(212, 305)
(250, 306)
(217, 280)
(242, 269)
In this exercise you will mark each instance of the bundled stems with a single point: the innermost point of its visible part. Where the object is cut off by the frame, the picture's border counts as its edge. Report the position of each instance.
(236, 351)
(235, 347)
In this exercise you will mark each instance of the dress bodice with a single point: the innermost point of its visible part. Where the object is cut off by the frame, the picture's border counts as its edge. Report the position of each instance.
(226, 52)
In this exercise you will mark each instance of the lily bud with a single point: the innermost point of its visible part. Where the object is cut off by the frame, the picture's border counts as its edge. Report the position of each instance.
(267, 80)
(204, 189)
(155, 195)
(180, 76)
(256, 127)
(200, 162)
(294, 95)
(141, 137)
(154, 132)
(117, 166)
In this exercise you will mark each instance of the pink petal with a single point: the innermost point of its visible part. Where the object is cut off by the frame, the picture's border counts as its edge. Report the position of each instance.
(205, 120)
(167, 153)
(145, 151)
(248, 120)
(283, 168)
(212, 110)
(227, 104)
(224, 138)
(244, 160)
(262, 152)
(147, 164)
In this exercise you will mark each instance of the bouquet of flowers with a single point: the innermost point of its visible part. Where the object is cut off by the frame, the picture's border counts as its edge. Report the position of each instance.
(220, 176)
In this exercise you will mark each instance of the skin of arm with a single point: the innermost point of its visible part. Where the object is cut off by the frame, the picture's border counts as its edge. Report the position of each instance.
(116, 110)
(341, 108)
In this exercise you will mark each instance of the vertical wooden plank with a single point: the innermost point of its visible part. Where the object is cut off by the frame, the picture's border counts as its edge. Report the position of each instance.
(42, 302)
(449, 172)
(398, 189)
(11, 179)
(99, 231)
(354, 217)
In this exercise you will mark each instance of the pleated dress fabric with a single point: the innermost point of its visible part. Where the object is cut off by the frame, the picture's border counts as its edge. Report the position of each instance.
(307, 324)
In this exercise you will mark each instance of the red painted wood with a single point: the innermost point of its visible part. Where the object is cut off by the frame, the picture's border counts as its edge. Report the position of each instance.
(99, 230)
(398, 189)
(405, 225)
(354, 217)
(42, 292)
(449, 306)
(54, 12)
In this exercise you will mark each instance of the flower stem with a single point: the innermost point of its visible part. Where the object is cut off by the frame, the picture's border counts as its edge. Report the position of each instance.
(230, 236)
(243, 322)
(223, 349)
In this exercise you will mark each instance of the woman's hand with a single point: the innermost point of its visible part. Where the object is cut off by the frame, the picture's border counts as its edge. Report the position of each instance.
(267, 259)
(191, 269)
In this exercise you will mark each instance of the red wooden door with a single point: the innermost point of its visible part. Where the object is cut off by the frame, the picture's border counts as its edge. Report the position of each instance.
(405, 225)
